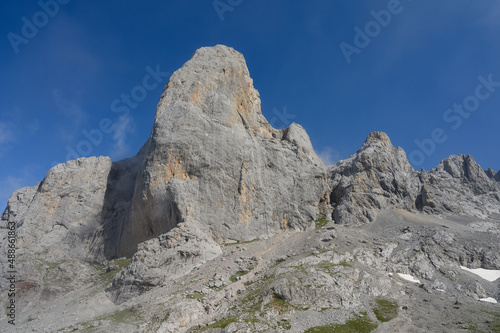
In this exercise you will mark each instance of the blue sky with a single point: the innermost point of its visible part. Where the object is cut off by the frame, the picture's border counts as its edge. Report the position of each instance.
(339, 68)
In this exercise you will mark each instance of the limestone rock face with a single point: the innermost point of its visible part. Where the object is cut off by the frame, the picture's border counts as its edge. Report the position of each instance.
(490, 173)
(213, 171)
(375, 177)
(167, 257)
(213, 157)
(379, 176)
(458, 185)
(212, 165)
(497, 176)
(61, 214)
(57, 221)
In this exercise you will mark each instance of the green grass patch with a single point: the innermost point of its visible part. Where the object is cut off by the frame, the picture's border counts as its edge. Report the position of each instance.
(233, 278)
(122, 263)
(494, 323)
(360, 324)
(165, 318)
(241, 242)
(332, 268)
(123, 316)
(252, 301)
(345, 264)
(251, 320)
(279, 304)
(106, 277)
(385, 309)
(283, 306)
(196, 295)
(320, 222)
(223, 323)
(53, 265)
(285, 324)
(299, 268)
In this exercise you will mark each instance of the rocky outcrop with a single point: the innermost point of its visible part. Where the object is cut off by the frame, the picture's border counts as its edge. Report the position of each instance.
(61, 215)
(212, 160)
(59, 228)
(375, 177)
(379, 176)
(459, 186)
(213, 156)
(490, 173)
(493, 175)
(167, 257)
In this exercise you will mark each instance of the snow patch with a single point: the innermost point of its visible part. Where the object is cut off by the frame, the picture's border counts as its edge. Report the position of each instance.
(489, 300)
(408, 277)
(487, 274)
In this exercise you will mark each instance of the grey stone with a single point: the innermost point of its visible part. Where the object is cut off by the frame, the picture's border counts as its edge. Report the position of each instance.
(213, 156)
(166, 257)
(376, 177)
(379, 176)
(459, 186)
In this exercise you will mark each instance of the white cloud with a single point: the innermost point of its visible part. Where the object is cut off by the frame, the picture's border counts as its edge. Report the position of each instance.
(6, 134)
(329, 155)
(121, 128)
(71, 108)
(8, 186)
(6, 137)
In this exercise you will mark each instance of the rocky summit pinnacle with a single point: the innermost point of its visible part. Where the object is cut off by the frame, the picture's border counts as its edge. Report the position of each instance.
(212, 155)
(380, 137)
(103, 236)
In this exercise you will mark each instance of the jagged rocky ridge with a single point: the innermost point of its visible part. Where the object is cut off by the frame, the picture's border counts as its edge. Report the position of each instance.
(214, 172)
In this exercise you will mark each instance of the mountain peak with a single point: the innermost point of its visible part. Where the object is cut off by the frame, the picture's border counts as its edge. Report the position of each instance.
(378, 138)
(215, 172)
(213, 86)
(212, 147)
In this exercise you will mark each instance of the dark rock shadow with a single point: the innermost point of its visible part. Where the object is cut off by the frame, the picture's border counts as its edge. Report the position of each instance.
(117, 202)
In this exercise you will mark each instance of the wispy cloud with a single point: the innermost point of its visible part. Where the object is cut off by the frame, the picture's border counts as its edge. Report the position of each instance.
(491, 11)
(15, 180)
(71, 108)
(6, 133)
(121, 128)
(7, 137)
(329, 155)
(7, 187)
(73, 113)
(33, 126)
